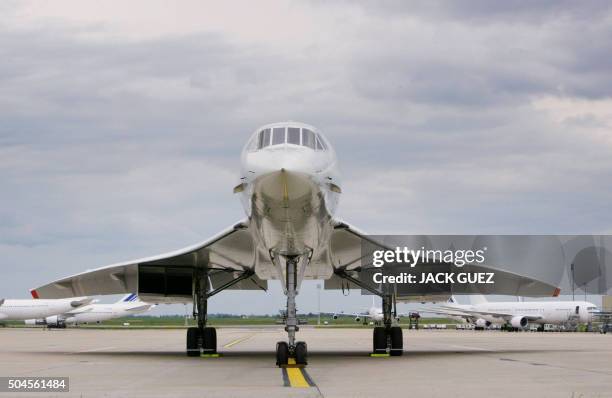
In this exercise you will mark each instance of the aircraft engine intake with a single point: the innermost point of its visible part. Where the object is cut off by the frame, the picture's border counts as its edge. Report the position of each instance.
(519, 322)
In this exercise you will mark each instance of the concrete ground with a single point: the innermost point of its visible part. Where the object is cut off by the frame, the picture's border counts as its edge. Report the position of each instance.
(441, 363)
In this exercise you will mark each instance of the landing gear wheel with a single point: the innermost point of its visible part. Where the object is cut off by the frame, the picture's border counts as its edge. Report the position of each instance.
(193, 346)
(379, 340)
(301, 353)
(209, 340)
(397, 341)
(282, 353)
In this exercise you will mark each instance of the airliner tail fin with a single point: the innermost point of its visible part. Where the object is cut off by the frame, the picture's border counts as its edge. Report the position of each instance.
(130, 298)
(476, 299)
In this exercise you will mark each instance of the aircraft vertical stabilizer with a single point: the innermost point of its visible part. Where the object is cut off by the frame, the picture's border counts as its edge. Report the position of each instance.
(476, 299)
(130, 298)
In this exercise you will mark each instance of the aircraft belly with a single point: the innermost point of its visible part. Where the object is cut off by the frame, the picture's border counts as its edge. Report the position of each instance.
(289, 213)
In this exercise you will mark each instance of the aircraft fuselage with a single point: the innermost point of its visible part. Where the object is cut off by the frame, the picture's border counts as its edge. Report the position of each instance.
(290, 188)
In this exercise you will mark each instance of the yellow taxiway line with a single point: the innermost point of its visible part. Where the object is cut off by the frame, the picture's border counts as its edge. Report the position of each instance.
(295, 376)
(237, 341)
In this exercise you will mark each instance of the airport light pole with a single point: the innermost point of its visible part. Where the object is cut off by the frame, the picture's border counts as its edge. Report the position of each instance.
(573, 281)
(318, 304)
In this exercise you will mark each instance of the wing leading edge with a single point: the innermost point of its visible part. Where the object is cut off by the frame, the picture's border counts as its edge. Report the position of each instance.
(353, 269)
(168, 277)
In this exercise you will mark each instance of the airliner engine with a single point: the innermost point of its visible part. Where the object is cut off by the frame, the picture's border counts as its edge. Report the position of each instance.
(55, 321)
(519, 322)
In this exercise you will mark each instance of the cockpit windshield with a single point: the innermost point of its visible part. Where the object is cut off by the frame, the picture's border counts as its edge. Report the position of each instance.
(290, 135)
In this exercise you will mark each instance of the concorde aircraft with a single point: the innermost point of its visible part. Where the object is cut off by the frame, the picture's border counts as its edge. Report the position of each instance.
(289, 186)
(94, 313)
(519, 314)
(18, 310)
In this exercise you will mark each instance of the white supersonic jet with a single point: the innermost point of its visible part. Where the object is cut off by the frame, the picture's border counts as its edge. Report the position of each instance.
(18, 310)
(289, 186)
(95, 313)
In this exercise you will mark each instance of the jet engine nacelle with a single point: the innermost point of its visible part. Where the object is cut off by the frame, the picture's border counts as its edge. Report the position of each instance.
(37, 322)
(335, 316)
(55, 321)
(482, 323)
(519, 322)
(357, 319)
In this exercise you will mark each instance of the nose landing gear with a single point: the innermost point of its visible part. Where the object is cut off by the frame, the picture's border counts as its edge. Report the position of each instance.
(291, 349)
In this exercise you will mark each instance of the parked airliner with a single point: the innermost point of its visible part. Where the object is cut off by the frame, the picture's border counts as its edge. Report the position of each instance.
(18, 310)
(95, 313)
(289, 186)
(518, 314)
(372, 314)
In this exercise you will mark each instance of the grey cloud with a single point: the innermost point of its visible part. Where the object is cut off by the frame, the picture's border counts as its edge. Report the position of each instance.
(489, 12)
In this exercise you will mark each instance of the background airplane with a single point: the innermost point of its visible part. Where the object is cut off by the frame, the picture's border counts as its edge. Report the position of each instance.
(518, 314)
(289, 187)
(95, 313)
(17, 310)
(371, 314)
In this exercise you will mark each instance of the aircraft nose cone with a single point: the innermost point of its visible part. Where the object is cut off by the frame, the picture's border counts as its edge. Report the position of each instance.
(285, 185)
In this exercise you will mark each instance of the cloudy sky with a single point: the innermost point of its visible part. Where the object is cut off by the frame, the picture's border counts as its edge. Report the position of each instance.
(121, 123)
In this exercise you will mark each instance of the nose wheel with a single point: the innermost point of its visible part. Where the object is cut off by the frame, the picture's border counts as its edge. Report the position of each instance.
(284, 352)
(301, 353)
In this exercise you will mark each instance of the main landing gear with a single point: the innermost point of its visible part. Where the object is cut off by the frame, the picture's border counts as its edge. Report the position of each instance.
(291, 348)
(201, 339)
(387, 339)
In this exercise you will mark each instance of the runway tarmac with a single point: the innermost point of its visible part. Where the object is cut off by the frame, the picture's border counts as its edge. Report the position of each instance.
(442, 363)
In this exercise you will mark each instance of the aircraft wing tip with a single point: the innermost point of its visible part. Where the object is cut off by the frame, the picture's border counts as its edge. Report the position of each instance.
(557, 292)
(34, 293)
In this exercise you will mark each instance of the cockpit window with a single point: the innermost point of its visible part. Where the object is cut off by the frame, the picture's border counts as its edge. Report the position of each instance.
(289, 135)
(320, 144)
(264, 138)
(308, 138)
(293, 135)
(278, 135)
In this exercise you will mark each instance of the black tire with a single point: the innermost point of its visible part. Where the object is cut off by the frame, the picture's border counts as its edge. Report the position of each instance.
(209, 341)
(193, 337)
(301, 353)
(282, 353)
(379, 340)
(397, 341)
